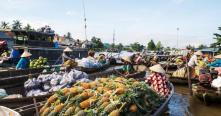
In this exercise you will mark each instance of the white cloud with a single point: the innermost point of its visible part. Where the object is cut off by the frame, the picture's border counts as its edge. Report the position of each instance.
(178, 1)
(70, 13)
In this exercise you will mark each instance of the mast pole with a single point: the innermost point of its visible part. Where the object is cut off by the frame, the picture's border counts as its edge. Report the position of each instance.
(85, 21)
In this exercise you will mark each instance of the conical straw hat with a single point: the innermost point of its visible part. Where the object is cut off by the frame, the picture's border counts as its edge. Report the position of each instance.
(199, 53)
(26, 54)
(157, 68)
(217, 56)
(126, 58)
(67, 49)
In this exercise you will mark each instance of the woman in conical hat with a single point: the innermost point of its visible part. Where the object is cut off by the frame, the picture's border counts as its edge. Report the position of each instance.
(157, 80)
(66, 54)
(23, 63)
(128, 67)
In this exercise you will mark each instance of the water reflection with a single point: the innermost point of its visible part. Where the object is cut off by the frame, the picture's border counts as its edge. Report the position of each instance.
(182, 104)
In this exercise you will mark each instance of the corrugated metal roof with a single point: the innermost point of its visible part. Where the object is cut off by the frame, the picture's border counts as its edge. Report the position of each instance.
(210, 49)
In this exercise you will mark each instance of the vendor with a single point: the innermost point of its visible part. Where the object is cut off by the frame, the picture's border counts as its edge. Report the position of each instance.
(66, 54)
(193, 62)
(101, 58)
(154, 60)
(138, 59)
(217, 62)
(158, 80)
(91, 54)
(24, 61)
(128, 67)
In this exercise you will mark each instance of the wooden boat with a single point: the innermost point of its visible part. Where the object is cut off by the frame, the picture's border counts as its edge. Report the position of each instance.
(31, 109)
(180, 80)
(39, 44)
(183, 81)
(19, 102)
(206, 94)
(163, 108)
(93, 70)
(14, 72)
(13, 78)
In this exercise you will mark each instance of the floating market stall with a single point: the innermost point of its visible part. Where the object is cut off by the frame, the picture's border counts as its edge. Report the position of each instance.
(12, 77)
(114, 96)
(55, 81)
(207, 94)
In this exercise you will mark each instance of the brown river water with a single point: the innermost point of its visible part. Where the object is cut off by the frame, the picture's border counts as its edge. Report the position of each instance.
(183, 104)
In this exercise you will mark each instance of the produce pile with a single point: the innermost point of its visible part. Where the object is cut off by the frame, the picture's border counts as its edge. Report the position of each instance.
(38, 63)
(180, 73)
(102, 97)
(46, 83)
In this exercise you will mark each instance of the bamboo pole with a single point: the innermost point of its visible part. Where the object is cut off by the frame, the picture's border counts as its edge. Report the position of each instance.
(36, 107)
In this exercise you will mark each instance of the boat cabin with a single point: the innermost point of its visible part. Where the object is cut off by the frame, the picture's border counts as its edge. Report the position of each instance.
(29, 38)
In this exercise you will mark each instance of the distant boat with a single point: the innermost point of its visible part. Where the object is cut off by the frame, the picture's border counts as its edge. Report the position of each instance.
(38, 43)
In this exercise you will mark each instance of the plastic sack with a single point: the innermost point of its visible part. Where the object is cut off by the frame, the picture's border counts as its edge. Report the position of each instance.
(3, 93)
(32, 84)
(216, 82)
(87, 63)
(36, 93)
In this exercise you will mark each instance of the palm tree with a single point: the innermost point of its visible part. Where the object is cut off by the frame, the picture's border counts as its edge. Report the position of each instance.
(27, 27)
(16, 24)
(4, 25)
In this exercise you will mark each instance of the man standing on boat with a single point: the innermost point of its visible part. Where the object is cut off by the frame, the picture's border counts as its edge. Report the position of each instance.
(23, 63)
(193, 62)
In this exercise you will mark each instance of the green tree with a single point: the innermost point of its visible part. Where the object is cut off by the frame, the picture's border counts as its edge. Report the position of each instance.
(136, 46)
(151, 45)
(167, 48)
(201, 46)
(27, 27)
(190, 47)
(16, 24)
(97, 43)
(159, 46)
(217, 38)
(4, 25)
(120, 46)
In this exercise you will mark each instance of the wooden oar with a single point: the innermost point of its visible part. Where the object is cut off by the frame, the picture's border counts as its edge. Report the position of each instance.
(119, 73)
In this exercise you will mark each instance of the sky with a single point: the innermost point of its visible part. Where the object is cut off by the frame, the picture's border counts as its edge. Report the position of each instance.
(133, 20)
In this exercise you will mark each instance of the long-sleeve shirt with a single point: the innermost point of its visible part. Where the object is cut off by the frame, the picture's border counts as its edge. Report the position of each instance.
(65, 57)
(128, 68)
(193, 61)
(216, 63)
(158, 83)
(23, 63)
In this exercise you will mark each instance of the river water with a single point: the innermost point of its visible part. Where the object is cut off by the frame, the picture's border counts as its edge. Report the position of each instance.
(183, 104)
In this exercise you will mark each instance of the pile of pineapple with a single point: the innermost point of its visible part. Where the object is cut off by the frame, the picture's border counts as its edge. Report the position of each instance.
(103, 97)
